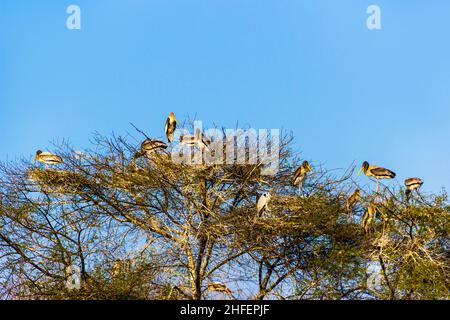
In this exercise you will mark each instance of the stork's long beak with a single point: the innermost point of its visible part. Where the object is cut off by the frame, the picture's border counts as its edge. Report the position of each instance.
(359, 172)
(310, 169)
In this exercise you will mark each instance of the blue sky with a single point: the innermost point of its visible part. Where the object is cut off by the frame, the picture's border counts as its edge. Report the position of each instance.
(347, 93)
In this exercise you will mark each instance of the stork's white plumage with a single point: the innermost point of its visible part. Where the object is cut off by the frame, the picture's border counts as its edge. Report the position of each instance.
(376, 172)
(411, 185)
(47, 158)
(152, 145)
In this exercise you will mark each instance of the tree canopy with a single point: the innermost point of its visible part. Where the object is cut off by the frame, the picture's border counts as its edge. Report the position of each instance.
(150, 228)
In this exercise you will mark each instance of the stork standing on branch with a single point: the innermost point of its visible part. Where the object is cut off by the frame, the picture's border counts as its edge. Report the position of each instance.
(219, 287)
(199, 140)
(263, 203)
(47, 158)
(411, 185)
(188, 140)
(351, 201)
(170, 126)
(300, 175)
(148, 146)
(202, 141)
(376, 172)
(368, 217)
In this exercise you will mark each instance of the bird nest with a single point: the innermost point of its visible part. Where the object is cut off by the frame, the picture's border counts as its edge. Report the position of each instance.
(58, 181)
(132, 178)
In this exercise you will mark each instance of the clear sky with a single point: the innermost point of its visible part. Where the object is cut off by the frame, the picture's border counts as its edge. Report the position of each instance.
(347, 93)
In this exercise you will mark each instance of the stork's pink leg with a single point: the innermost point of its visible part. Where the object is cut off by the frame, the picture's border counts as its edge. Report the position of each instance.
(378, 189)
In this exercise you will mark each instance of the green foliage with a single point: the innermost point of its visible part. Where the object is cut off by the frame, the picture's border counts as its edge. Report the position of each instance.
(150, 228)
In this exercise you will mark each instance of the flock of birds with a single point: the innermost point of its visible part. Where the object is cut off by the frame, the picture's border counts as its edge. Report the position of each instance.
(149, 146)
(376, 172)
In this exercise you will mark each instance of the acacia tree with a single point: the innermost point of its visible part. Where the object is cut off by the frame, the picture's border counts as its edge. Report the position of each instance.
(153, 228)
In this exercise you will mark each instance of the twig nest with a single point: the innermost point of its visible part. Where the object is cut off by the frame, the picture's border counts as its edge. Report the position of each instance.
(58, 181)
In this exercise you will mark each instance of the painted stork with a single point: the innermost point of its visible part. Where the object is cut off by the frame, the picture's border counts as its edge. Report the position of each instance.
(376, 172)
(352, 200)
(219, 287)
(300, 175)
(188, 140)
(199, 140)
(368, 217)
(148, 146)
(202, 141)
(411, 185)
(47, 158)
(263, 203)
(170, 126)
